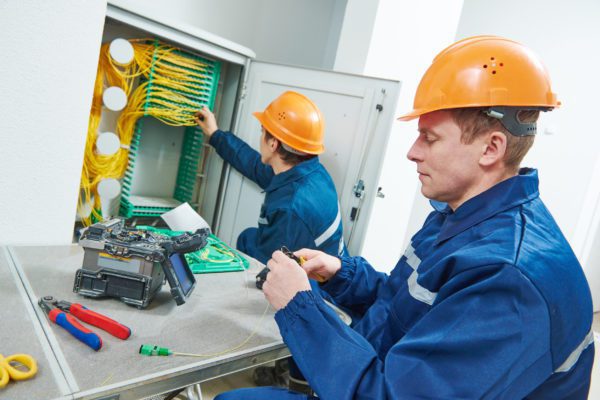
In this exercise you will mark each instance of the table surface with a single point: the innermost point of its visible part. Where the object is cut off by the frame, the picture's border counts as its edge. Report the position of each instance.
(19, 333)
(225, 318)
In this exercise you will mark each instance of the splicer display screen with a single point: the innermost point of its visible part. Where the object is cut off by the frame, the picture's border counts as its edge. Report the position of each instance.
(182, 271)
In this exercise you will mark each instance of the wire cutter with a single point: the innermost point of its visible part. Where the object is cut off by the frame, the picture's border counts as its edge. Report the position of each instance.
(261, 277)
(62, 313)
(300, 261)
(290, 254)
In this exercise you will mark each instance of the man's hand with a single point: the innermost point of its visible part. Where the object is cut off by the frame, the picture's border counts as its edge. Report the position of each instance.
(284, 280)
(206, 121)
(319, 264)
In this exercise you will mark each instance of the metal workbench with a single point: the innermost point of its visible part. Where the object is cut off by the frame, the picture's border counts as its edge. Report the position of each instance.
(221, 314)
(20, 332)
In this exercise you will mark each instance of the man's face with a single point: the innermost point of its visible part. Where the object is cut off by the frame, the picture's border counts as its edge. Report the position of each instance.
(448, 169)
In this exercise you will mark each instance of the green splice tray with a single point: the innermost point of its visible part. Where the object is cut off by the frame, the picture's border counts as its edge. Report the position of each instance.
(216, 256)
(204, 94)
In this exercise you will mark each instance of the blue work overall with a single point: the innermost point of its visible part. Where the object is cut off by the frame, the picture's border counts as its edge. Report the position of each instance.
(487, 302)
(300, 209)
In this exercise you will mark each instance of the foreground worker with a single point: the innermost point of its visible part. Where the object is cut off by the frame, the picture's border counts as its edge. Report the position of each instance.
(488, 301)
(301, 204)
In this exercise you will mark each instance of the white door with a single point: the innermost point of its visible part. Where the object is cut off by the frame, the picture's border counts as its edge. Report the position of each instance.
(358, 114)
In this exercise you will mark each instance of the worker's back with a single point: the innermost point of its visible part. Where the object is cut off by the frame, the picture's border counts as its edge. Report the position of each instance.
(311, 197)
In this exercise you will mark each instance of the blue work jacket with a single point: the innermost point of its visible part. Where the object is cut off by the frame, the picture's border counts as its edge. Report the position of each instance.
(300, 209)
(487, 302)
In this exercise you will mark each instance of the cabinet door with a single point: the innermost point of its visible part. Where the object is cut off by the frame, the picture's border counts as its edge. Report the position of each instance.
(358, 115)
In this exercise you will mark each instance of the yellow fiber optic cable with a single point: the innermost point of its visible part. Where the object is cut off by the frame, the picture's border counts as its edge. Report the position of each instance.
(173, 90)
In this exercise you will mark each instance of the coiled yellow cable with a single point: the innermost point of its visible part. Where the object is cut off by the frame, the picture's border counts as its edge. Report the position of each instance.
(173, 90)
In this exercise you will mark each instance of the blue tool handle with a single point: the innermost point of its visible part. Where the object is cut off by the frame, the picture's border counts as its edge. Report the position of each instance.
(76, 329)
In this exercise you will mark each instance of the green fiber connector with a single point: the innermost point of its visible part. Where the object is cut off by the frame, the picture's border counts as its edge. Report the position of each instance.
(150, 350)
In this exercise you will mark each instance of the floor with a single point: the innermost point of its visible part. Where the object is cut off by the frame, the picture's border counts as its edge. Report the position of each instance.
(244, 379)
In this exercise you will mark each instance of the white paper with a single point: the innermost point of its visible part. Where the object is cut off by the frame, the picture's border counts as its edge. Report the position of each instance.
(184, 218)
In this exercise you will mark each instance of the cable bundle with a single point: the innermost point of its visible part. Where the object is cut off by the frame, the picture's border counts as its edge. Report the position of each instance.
(173, 86)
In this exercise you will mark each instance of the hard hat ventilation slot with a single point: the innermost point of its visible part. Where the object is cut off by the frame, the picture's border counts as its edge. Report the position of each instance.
(282, 115)
(493, 64)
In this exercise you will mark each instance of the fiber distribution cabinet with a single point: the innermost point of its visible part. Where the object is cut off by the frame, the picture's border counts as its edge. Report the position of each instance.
(171, 164)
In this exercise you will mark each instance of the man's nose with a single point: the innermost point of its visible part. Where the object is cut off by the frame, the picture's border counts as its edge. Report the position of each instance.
(415, 154)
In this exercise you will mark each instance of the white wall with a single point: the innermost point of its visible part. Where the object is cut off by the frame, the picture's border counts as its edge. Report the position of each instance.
(50, 55)
(587, 235)
(565, 35)
(283, 31)
(404, 37)
(591, 267)
(355, 36)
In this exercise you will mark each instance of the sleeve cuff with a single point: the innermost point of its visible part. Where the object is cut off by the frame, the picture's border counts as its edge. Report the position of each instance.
(295, 308)
(216, 138)
(340, 281)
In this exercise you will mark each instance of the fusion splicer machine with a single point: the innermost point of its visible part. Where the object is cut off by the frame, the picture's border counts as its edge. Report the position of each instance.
(132, 264)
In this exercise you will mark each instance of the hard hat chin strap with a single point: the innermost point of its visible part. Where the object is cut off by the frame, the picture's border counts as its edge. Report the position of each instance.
(509, 118)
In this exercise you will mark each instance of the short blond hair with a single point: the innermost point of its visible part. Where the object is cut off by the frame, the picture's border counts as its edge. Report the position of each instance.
(474, 122)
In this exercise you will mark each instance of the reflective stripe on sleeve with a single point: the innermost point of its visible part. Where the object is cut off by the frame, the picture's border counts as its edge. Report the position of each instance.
(329, 232)
(574, 356)
(417, 291)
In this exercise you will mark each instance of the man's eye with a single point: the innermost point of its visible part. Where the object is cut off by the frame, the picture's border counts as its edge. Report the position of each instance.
(430, 138)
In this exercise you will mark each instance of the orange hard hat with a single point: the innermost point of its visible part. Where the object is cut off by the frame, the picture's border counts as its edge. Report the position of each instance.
(296, 121)
(484, 71)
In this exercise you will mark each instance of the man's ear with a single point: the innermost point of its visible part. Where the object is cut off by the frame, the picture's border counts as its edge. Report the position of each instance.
(273, 144)
(494, 149)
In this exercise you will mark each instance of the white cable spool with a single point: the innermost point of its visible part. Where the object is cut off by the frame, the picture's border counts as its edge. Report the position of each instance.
(109, 188)
(107, 143)
(114, 98)
(121, 51)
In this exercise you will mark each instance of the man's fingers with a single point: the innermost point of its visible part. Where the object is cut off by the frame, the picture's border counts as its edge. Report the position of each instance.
(202, 114)
(271, 264)
(277, 260)
(280, 257)
(266, 288)
(307, 253)
(199, 118)
(312, 265)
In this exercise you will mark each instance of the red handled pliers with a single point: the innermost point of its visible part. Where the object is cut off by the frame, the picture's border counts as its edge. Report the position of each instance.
(62, 312)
